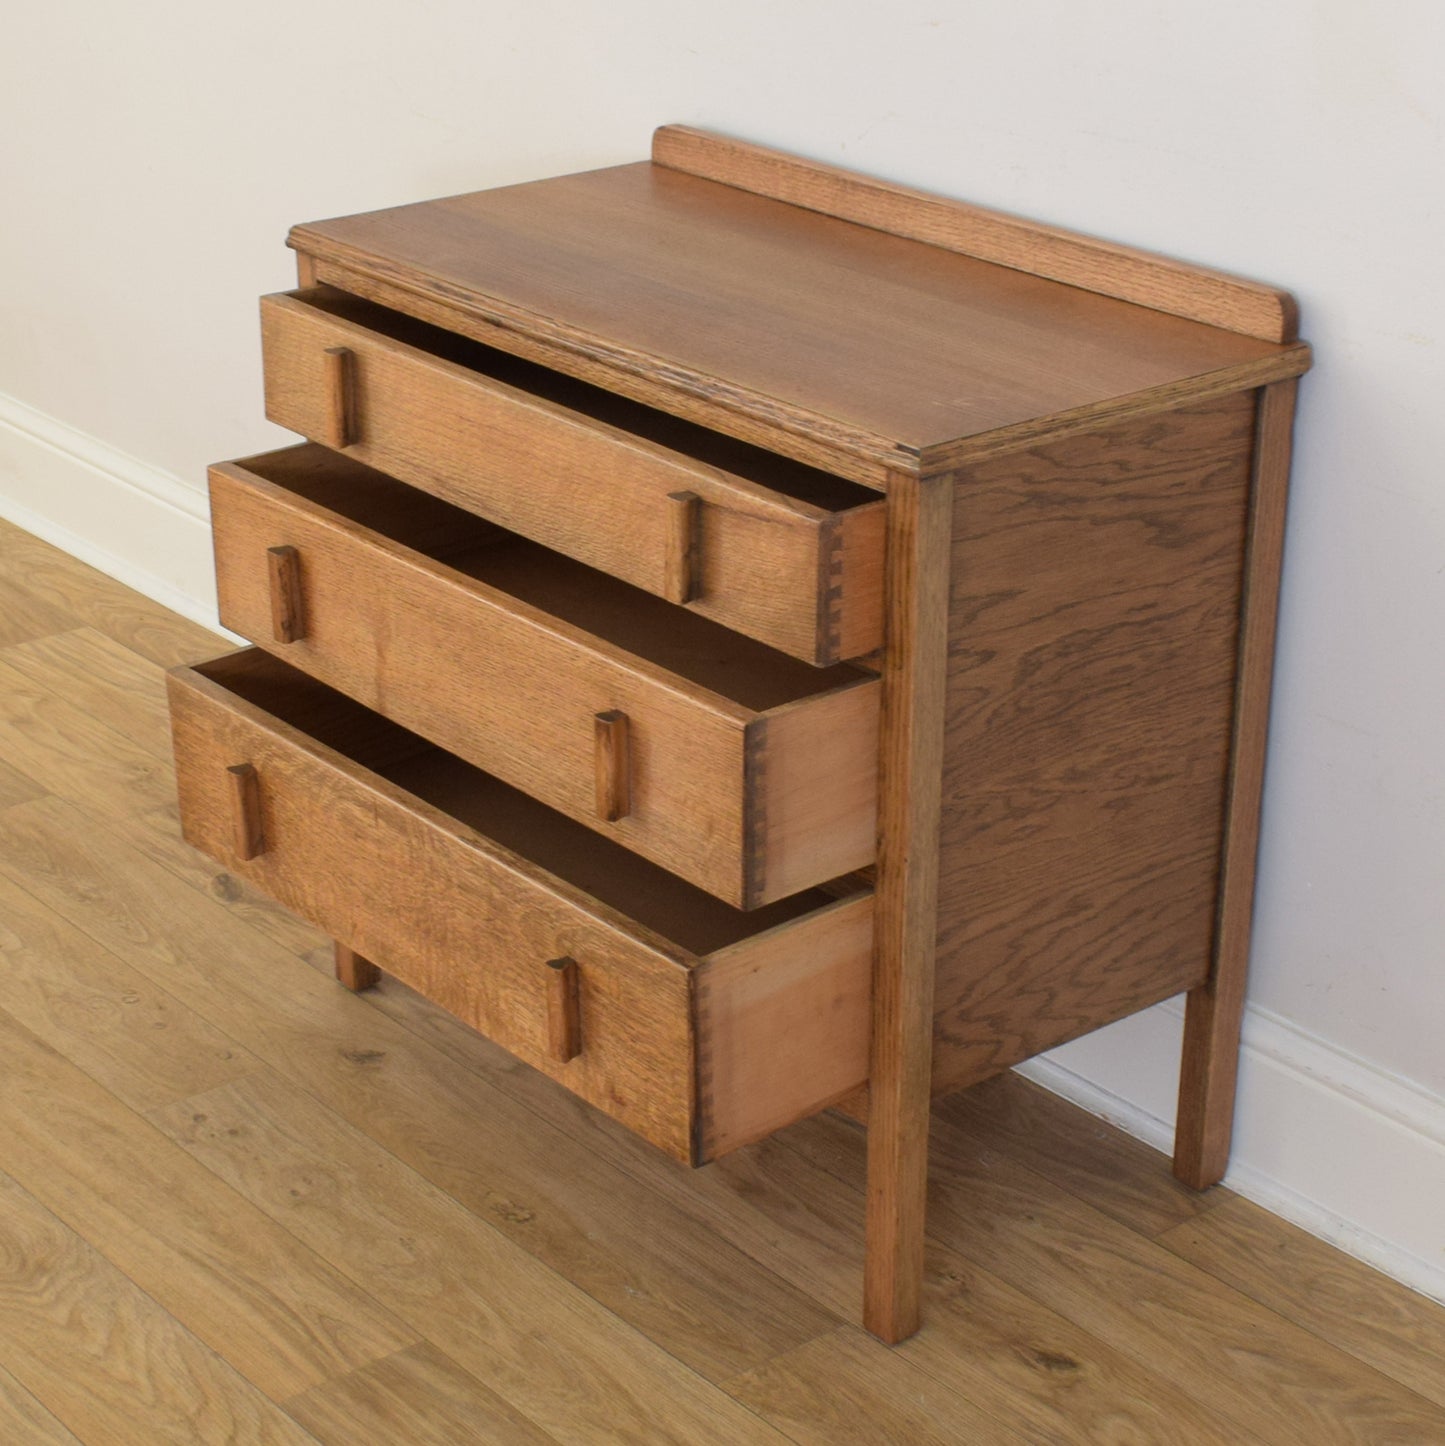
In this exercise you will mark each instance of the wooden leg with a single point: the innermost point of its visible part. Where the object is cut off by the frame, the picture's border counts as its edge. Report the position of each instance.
(906, 915)
(1215, 1010)
(355, 972)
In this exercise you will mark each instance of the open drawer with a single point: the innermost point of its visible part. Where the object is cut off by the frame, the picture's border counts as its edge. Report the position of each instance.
(780, 551)
(749, 773)
(697, 1025)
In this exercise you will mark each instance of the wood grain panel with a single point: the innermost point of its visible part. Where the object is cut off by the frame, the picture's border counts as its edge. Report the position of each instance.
(586, 473)
(1095, 592)
(506, 654)
(1143, 277)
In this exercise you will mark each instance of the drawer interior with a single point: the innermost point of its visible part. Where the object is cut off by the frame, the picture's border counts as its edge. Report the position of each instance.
(641, 890)
(695, 648)
(781, 474)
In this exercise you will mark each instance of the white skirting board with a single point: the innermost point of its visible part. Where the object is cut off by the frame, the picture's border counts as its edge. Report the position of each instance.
(146, 528)
(1324, 1139)
(1327, 1140)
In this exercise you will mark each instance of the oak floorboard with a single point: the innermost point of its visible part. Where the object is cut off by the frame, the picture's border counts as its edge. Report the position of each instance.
(1328, 1293)
(104, 1358)
(848, 1389)
(1006, 1352)
(708, 1303)
(420, 1397)
(117, 776)
(269, 1307)
(129, 1035)
(24, 1419)
(1271, 1379)
(110, 682)
(1126, 1179)
(85, 596)
(544, 1344)
(15, 787)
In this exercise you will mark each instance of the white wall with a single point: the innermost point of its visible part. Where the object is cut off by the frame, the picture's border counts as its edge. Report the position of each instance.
(155, 153)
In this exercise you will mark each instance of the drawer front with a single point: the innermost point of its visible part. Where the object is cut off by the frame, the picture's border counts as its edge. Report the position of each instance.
(466, 925)
(802, 578)
(698, 1054)
(751, 806)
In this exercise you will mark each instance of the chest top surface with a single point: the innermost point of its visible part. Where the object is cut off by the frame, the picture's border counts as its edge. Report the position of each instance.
(888, 345)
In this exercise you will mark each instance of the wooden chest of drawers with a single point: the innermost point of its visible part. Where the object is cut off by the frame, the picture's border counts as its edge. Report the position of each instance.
(750, 638)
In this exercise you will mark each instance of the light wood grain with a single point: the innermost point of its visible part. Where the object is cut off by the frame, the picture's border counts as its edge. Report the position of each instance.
(1320, 1289)
(1092, 639)
(87, 720)
(1008, 1353)
(130, 1036)
(664, 506)
(1268, 1380)
(89, 598)
(462, 649)
(1157, 282)
(473, 1293)
(722, 306)
(1109, 1170)
(24, 1419)
(714, 1309)
(98, 1352)
(845, 1389)
(911, 753)
(1215, 1007)
(265, 1304)
(418, 1396)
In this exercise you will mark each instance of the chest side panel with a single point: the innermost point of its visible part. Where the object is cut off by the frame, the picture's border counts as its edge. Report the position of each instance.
(1093, 631)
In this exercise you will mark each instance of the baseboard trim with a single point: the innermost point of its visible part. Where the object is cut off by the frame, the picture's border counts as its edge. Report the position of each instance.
(1324, 1139)
(134, 522)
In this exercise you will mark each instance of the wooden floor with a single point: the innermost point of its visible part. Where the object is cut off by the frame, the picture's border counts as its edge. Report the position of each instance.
(238, 1204)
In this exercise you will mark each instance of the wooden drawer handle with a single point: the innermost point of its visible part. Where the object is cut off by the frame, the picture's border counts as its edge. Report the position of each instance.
(680, 576)
(614, 766)
(338, 379)
(564, 1011)
(250, 841)
(288, 620)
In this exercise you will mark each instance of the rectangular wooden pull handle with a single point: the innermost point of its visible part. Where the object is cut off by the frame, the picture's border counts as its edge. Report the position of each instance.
(564, 1011)
(680, 578)
(288, 621)
(338, 365)
(249, 840)
(614, 766)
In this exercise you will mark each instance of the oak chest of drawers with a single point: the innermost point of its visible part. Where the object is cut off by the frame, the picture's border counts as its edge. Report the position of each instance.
(750, 638)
